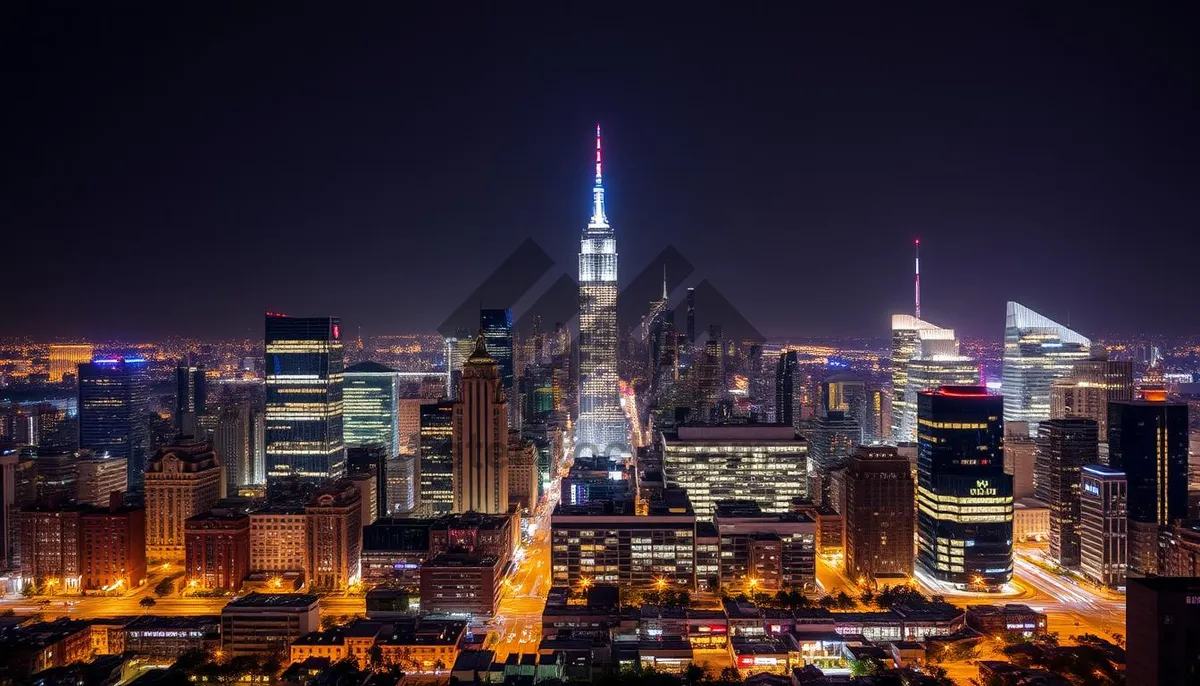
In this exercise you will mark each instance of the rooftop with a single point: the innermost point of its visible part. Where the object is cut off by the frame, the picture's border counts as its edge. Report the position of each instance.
(369, 368)
(298, 601)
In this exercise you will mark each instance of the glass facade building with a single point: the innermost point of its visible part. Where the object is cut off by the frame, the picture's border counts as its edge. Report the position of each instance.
(1104, 539)
(763, 463)
(304, 370)
(930, 373)
(371, 398)
(113, 405)
(436, 467)
(601, 427)
(911, 339)
(1037, 350)
(964, 498)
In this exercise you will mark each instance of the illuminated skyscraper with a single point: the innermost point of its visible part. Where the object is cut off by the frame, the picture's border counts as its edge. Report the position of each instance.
(190, 398)
(436, 466)
(66, 358)
(497, 329)
(371, 400)
(1037, 350)
(601, 420)
(113, 402)
(787, 396)
(964, 498)
(1087, 391)
(1064, 446)
(480, 445)
(929, 372)
(911, 339)
(304, 398)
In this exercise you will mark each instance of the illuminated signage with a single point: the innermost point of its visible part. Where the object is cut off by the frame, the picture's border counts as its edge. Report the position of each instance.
(983, 487)
(1091, 488)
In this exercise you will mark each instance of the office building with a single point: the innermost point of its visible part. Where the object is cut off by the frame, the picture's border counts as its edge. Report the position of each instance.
(58, 474)
(832, 440)
(1148, 440)
(480, 437)
(113, 547)
(964, 498)
(601, 427)
(334, 533)
(98, 478)
(65, 359)
(371, 396)
(1089, 388)
(1104, 538)
(217, 546)
(461, 583)
(436, 467)
(496, 326)
(911, 339)
(402, 491)
(1064, 446)
(371, 460)
(113, 406)
(262, 624)
(1020, 458)
(765, 552)
(182, 481)
(879, 514)
(50, 547)
(1162, 629)
(787, 389)
(369, 493)
(231, 440)
(608, 542)
(930, 372)
(766, 463)
(191, 397)
(304, 398)
(408, 419)
(522, 472)
(1037, 350)
(278, 540)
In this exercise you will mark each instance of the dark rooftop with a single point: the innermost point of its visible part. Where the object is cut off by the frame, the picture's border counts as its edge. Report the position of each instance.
(281, 600)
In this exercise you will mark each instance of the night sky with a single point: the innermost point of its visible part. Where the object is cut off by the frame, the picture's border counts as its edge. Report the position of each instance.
(171, 171)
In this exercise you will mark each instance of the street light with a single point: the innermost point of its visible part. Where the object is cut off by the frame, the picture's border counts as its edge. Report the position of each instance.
(660, 583)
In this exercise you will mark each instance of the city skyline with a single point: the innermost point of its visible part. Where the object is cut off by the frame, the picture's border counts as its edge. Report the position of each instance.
(788, 140)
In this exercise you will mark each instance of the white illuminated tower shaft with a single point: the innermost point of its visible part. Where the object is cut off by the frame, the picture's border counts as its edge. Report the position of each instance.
(601, 421)
(918, 280)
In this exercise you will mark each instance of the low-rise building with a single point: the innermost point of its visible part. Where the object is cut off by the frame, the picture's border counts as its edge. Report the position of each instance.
(763, 552)
(217, 550)
(113, 547)
(994, 620)
(461, 583)
(263, 623)
(422, 645)
(1031, 520)
(164, 639)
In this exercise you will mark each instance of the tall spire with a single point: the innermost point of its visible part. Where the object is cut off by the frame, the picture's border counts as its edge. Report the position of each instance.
(665, 297)
(917, 243)
(599, 220)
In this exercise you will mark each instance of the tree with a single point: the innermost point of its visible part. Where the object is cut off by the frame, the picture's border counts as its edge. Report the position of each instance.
(867, 597)
(827, 602)
(165, 587)
(694, 674)
(147, 602)
(867, 666)
(730, 675)
(844, 601)
(375, 657)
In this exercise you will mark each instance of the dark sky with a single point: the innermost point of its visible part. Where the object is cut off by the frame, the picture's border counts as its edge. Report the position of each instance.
(180, 171)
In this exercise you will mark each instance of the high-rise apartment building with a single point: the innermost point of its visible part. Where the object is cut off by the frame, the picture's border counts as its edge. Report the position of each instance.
(1104, 538)
(1037, 350)
(964, 498)
(372, 460)
(522, 472)
(304, 398)
(182, 480)
(601, 428)
(1064, 446)
(879, 514)
(787, 392)
(911, 337)
(191, 397)
(113, 406)
(765, 463)
(480, 438)
(1148, 440)
(408, 423)
(335, 537)
(371, 398)
(65, 359)
(279, 540)
(51, 547)
(436, 467)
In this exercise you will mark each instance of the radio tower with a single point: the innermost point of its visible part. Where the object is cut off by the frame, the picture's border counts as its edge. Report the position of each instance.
(918, 278)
